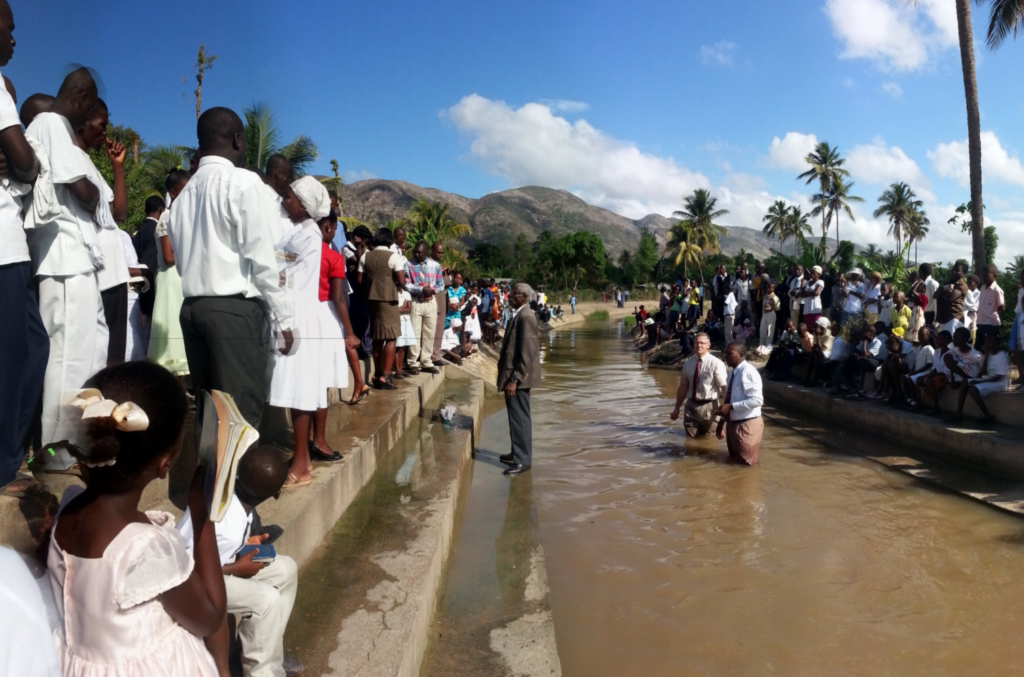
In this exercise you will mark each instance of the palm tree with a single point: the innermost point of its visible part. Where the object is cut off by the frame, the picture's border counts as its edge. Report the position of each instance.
(825, 167)
(917, 230)
(899, 205)
(681, 238)
(1016, 266)
(839, 199)
(872, 252)
(203, 63)
(1005, 16)
(262, 139)
(158, 162)
(775, 220)
(796, 226)
(699, 214)
(431, 222)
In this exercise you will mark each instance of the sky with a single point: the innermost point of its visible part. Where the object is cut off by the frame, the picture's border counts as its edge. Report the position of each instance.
(630, 106)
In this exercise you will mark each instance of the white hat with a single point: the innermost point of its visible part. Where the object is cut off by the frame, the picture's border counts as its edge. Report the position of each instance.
(456, 322)
(816, 269)
(314, 197)
(856, 271)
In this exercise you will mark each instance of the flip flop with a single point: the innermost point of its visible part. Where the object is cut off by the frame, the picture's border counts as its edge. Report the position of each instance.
(296, 483)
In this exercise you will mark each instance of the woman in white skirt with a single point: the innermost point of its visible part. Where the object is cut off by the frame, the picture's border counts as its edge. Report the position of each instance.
(296, 380)
(408, 337)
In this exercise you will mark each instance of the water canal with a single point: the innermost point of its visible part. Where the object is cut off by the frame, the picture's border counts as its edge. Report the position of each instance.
(663, 560)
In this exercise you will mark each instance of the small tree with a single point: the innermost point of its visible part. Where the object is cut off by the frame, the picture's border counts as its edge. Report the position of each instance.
(203, 64)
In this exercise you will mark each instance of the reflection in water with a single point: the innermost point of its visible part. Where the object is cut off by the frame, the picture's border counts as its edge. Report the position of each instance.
(663, 560)
(515, 544)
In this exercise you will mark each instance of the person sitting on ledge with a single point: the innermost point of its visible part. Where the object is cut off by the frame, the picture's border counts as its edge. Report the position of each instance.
(787, 341)
(863, 358)
(822, 348)
(836, 355)
(963, 361)
(924, 358)
(993, 378)
(900, 355)
(939, 376)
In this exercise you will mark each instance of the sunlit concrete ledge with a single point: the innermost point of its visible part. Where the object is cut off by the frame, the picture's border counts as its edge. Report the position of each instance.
(995, 449)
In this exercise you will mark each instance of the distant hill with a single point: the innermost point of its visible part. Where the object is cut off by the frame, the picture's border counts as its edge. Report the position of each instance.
(530, 210)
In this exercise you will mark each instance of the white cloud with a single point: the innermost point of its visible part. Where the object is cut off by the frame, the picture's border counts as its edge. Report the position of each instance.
(718, 54)
(532, 145)
(351, 176)
(952, 161)
(892, 89)
(878, 164)
(891, 34)
(566, 105)
(789, 152)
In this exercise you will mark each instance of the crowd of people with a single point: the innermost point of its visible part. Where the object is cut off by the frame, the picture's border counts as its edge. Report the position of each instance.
(238, 280)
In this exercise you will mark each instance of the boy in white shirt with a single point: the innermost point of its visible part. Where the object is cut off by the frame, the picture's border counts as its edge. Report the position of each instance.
(729, 313)
(993, 378)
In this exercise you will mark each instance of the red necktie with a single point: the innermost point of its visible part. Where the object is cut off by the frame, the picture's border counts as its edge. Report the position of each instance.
(696, 377)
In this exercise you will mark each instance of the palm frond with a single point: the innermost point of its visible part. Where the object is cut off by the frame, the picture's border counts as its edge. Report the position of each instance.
(300, 153)
(261, 136)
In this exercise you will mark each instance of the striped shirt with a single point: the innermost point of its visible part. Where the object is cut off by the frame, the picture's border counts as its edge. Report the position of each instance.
(420, 275)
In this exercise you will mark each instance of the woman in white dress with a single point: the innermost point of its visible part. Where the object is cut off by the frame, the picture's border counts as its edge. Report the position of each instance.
(166, 343)
(296, 380)
(408, 337)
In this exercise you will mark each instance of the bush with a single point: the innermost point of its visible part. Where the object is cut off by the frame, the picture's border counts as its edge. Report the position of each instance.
(598, 316)
(628, 320)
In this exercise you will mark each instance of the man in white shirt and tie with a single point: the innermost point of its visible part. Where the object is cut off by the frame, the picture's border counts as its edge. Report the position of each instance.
(702, 382)
(220, 230)
(741, 425)
(65, 257)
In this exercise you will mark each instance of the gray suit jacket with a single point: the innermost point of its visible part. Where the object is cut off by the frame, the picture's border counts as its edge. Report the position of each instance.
(520, 352)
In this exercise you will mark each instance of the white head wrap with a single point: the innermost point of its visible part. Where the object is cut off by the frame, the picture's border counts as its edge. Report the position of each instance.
(313, 196)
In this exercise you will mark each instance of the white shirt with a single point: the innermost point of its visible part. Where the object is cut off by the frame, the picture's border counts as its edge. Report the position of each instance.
(838, 351)
(853, 304)
(710, 381)
(13, 244)
(971, 300)
(231, 531)
(999, 365)
(221, 230)
(280, 222)
(930, 287)
(449, 339)
(730, 304)
(57, 247)
(745, 393)
(742, 290)
(25, 646)
(885, 312)
(812, 304)
(925, 356)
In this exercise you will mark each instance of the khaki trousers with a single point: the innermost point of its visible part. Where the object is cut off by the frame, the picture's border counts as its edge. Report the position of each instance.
(743, 438)
(424, 325)
(265, 603)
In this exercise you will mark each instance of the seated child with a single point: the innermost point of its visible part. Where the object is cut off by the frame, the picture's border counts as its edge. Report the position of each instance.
(262, 593)
(865, 354)
(939, 376)
(836, 356)
(787, 342)
(797, 353)
(821, 350)
(993, 378)
(141, 603)
(924, 358)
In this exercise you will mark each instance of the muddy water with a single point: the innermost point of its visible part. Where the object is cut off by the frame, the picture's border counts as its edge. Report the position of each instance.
(664, 560)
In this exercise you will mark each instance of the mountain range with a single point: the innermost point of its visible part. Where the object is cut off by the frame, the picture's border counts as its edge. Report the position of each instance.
(530, 211)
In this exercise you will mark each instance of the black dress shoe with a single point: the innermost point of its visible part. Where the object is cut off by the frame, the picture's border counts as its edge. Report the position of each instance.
(517, 469)
(317, 454)
(507, 459)
(429, 370)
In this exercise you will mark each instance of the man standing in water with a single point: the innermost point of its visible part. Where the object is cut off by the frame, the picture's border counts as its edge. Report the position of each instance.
(701, 383)
(518, 372)
(742, 408)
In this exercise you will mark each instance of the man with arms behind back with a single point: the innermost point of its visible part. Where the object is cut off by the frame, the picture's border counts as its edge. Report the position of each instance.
(518, 373)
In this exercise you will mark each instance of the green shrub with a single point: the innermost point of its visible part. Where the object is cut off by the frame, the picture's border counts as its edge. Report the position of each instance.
(597, 316)
(629, 321)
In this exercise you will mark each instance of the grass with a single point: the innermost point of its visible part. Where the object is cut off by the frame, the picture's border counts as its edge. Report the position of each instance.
(597, 316)
(628, 320)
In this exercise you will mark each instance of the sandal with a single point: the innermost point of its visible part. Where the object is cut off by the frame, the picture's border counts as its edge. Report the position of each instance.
(360, 396)
(294, 482)
(385, 384)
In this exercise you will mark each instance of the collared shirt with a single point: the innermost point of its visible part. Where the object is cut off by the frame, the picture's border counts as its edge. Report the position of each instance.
(874, 348)
(741, 288)
(730, 304)
(420, 275)
(838, 351)
(221, 231)
(710, 381)
(989, 301)
(13, 245)
(745, 392)
(853, 304)
(930, 287)
(232, 531)
(57, 246)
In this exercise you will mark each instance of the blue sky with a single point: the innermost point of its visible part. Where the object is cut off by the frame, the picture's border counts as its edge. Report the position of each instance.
(628, 105)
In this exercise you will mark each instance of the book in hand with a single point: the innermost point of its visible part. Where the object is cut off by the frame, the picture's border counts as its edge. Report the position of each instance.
(264, 553)
(225, 436)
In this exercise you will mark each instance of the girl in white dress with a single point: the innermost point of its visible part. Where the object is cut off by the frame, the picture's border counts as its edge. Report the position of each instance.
(130, 599)
(296, 380)
(408, 337)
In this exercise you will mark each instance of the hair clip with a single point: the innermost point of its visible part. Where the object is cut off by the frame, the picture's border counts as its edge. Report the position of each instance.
(130, 417)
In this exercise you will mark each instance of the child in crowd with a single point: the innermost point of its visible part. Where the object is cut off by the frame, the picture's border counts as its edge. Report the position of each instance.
(939, 377)
(821, 351)
(836, 355)
(971, 300)
(924, 358)
(769, 309)
(886, 303)
(742, 314)
(900, 315)
(864, 356)
(262, 593)
(408, 336)
(472, 325)
(334, 312)
(744, 332)
(963, 361)
(139, 602)
(873, 298)
(788, 343)
(993, 378)
(451, 341)
(889, 375)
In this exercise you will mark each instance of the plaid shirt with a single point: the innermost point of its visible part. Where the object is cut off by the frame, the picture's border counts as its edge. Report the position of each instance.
(426, 274)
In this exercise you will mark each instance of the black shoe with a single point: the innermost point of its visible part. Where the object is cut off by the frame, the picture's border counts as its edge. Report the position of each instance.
(439, 363)
(507, 459)
(429, 370)
(317, 454)
(517, 469)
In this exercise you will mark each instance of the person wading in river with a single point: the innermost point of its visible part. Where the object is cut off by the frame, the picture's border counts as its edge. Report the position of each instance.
(518, 372)
(742, 408)
(701, 383)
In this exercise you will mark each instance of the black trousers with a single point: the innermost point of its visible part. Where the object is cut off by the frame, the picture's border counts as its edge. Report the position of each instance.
(520, 426)
(115, 311)
(24, 350)
(227, 343)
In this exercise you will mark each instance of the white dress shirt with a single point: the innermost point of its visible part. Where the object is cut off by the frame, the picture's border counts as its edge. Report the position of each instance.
(710, 381)
(13, 245)
(746, 395)
(57, 247)
(232, 531)
(221, 230)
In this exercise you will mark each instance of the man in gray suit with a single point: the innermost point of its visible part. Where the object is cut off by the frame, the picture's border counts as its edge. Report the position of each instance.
(518, 372)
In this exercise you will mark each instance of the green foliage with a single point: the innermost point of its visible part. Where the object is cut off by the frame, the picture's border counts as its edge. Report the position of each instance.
(991, 244)
(646, 257)
(571, 258)
(597, 316)
(431, 222)
(134, 173)
(892, 266)
(629, 321)
(262, 139)
(900, 206)
(159, 161)
(492, 260)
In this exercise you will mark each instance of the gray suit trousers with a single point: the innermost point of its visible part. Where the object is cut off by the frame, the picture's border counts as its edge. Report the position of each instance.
(520, 426)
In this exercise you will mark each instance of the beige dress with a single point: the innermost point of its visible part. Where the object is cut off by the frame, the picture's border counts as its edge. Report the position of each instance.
(112, 623)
